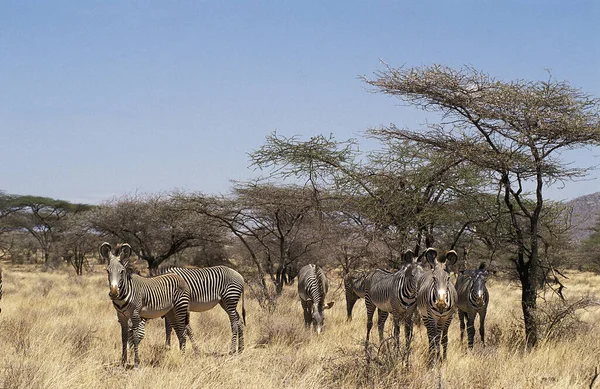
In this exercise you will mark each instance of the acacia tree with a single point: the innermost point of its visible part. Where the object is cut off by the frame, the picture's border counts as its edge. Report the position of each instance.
(278, 225)
(156, 226)
(42, 218)
(79, 241)
(514, 130)
(402, 191)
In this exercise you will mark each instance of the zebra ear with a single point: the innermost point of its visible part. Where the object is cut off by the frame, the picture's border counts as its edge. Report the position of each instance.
(451, 258)
(430, 256)
(329, 305)
(408, 257)
(125, 253)
(105, 250)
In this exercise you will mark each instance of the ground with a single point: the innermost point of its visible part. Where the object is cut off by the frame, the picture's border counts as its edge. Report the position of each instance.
(59, 330)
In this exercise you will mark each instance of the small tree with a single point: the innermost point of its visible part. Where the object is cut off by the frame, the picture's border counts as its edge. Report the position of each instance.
(42, 218)
(156, 226)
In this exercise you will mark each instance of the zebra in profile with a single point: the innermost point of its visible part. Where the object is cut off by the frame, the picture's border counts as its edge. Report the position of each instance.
(211, 286)
(137, 299)
(436, 300)
(393, 293)
(312, 289)
(473, 299)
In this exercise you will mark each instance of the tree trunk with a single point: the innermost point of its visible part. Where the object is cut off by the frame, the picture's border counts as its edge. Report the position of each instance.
(279, 280)
(529, 302)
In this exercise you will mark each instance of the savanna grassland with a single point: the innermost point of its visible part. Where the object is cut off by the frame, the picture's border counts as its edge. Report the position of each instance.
(59, 330)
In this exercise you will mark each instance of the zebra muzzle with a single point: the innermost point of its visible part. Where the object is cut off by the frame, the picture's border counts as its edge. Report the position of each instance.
(114, 291)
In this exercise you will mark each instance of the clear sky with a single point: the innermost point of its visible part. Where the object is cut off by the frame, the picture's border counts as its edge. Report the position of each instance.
(103, 98)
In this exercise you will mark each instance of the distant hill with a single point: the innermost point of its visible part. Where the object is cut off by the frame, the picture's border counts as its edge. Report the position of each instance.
(586, 212)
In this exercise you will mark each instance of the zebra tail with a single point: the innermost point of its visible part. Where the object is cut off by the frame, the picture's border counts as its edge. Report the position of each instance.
(243, 309)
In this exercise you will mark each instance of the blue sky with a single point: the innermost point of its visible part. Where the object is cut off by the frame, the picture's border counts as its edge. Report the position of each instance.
(103, 98)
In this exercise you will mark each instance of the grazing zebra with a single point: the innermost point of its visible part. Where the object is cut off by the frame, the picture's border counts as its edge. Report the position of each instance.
(137, 299)
(354, 285)
(211, 286)
(393, 293)
(436, 300)
(312, 289)
(473, 298)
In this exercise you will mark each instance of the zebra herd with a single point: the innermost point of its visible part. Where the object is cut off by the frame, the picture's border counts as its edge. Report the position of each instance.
(424, 288)
(421, 285)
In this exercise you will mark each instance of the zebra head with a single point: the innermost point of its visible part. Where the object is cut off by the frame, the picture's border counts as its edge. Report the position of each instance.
(440, 277)
(413, 272)
(318, 316)
(117, 267)
(479, 288)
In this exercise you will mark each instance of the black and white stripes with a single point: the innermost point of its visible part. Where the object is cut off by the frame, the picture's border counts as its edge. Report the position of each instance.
(393, 293)
(473, 299)
(354, 287)
(137, 299)
(312, 289)
(211, 286)
(436, 300)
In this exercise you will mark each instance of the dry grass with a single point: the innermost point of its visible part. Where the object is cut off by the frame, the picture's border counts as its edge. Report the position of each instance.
(58, 330)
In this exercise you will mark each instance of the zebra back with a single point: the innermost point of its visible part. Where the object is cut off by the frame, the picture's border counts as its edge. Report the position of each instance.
(210, 283)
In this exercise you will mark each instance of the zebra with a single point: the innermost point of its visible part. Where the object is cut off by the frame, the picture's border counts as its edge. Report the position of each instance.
(312, 289)
(211, 286)
(436, 300)
(393, 293)
(354, 285)
(137, 299)
(473, 299)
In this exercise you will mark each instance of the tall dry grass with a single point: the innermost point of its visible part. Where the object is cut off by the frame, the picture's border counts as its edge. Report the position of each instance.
(58, 330)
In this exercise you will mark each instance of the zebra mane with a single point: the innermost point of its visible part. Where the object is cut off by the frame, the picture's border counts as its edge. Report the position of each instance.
(165, 269)
(319, 274)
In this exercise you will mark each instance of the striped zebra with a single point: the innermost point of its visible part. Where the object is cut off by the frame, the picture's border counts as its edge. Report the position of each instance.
(393, 293)
(211, 286)
(473, 299)
(354, 286)
(137, 299)
(312, 289)
(436, 300)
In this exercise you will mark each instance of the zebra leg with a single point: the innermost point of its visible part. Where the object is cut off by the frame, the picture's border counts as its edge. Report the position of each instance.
(370, 312)
(381, 318)
(434, 338)
(135, 327)
(124, 337)
(445, 327)
(461, 320)
(482, 326)
(408, 327)
(471, 328)
(168, 330)
(177, 317)
(351, 299)
(235, 323)
(396, 320)
(190, 334)
(306, 307)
